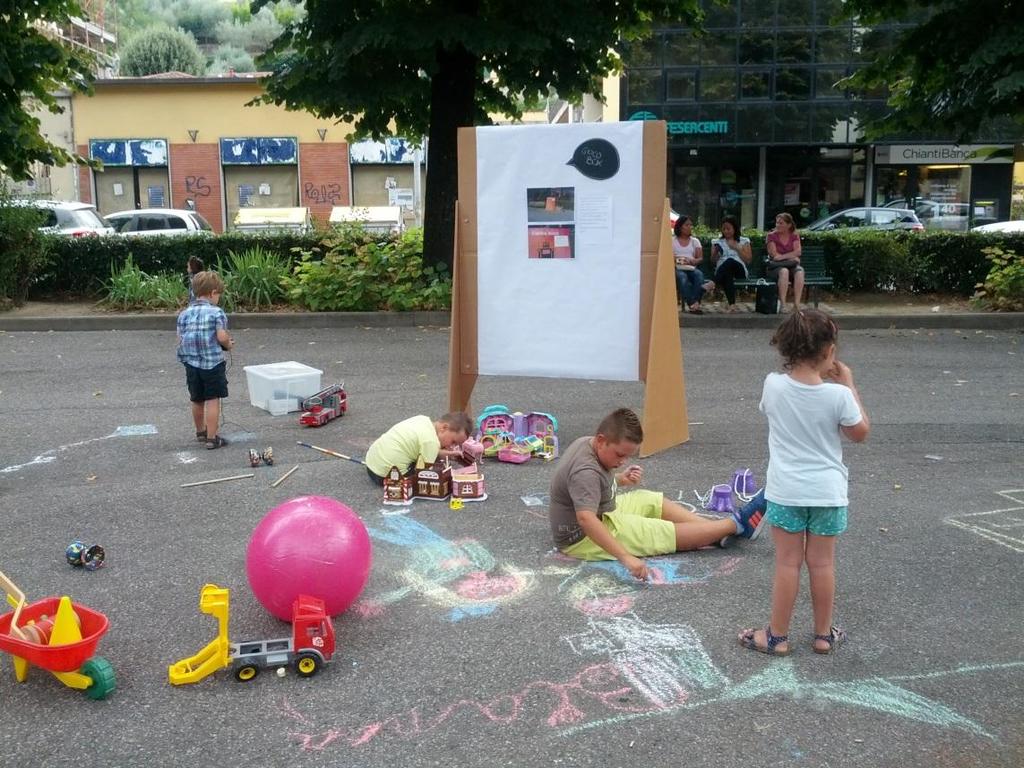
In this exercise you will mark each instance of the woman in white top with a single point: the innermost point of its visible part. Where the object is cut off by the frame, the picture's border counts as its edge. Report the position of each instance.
(730, 254)
(688, 254)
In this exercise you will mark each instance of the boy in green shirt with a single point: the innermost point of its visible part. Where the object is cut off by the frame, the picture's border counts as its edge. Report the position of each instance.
(416, 438)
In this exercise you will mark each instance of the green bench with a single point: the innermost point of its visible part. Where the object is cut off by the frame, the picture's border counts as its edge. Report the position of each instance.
(812, 259)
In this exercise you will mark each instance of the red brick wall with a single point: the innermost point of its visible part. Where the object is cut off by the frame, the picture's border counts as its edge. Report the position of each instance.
(84, 177)
(195, 175)
(324, 178)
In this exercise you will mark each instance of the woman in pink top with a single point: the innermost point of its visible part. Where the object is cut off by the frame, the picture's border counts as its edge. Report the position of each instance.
(784, 251)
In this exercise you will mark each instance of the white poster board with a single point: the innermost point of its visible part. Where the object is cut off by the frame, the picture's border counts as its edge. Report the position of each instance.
(558, 250)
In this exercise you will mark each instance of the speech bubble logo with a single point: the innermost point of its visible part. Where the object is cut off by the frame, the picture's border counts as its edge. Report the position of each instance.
(596, 159)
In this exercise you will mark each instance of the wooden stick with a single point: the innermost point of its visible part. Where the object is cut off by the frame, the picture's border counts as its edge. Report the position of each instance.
(330, 452)
(218, 480)
(283, 477)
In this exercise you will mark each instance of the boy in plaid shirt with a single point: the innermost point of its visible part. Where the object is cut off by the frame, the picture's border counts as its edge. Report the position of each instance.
(202, 339)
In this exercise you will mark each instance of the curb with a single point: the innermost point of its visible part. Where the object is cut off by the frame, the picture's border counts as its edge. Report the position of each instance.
(1002, 321)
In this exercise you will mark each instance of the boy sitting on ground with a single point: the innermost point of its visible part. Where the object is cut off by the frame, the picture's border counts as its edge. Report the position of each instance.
(589, 522)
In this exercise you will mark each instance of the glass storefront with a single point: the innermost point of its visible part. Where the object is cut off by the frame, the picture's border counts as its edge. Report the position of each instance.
(813, 182)
(707, 185)
(939, 194)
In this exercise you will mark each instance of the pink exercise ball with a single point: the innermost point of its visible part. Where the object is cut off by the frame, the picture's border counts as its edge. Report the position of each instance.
(312, 545)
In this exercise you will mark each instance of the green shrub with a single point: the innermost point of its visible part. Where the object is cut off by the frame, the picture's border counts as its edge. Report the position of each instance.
(1003, 288)
(81, 265)
(253, 277)
(363, 271)
(130, 288)
(23, 251)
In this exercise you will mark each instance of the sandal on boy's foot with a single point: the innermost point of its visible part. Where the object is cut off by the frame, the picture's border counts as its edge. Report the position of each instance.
(201, 436)
(215, 442)
(834, 638)
(747, 640)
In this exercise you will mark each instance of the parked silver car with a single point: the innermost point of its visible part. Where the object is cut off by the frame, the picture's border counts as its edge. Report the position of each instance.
(72, 219)
(145, 222)
(935, 214)
(868, 218)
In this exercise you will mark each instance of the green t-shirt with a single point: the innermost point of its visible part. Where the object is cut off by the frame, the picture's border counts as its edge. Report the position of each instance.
(403, 445)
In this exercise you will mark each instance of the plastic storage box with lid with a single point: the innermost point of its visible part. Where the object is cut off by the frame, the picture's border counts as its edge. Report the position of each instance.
(281, 387)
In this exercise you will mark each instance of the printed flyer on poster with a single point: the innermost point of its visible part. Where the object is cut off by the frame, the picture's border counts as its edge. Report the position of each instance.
(551, 222)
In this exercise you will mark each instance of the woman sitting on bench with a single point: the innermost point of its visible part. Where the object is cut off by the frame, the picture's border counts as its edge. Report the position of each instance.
(784, 251)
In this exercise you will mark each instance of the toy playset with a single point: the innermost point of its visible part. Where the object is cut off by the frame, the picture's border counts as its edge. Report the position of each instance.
(59, 636)
(310, 646)
(515, 437)
(437, 482)
(327, 404)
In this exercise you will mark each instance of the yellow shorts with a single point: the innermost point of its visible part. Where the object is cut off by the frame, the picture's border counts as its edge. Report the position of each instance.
(636, 524)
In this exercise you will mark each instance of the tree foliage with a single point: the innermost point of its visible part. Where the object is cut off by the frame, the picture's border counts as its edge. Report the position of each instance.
(428, 68)
(955, 68)
(33, 66)
(230, 58)
(162, 49)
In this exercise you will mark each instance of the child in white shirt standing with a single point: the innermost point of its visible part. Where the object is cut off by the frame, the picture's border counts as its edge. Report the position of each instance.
(809, 408)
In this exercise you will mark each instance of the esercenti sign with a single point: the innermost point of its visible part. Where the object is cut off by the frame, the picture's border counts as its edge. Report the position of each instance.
(687, 127)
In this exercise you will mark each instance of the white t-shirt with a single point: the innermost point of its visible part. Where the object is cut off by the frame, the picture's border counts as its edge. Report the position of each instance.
(685, 251)
(805, 452)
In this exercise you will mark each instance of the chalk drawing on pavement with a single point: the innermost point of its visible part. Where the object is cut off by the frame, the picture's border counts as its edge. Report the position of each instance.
(461, 576)
(607, 588)
(46, 457)
(1003, 526)
(648, 670)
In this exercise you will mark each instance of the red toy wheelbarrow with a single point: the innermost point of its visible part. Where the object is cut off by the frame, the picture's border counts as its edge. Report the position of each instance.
(59, 636)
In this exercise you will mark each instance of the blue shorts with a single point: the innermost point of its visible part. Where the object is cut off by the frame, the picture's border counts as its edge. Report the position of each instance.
(821, 521)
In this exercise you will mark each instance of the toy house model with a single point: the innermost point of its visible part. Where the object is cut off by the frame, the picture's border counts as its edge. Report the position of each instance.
(437, 481)
(513, 436)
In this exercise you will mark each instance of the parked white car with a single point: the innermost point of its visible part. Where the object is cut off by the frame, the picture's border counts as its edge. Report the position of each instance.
(1001, 226)
(71, 219)
(146, 222)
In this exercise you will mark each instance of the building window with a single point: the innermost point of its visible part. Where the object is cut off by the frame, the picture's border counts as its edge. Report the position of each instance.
(793, 47)
(794, 13)
(833, 46)
(680, 85)
(826, 83)
(719, 15)
(718, 48)
(645, 86)
(757, 48)
(681, 48)
(755, 84)
(758, 13)
(792, 84)
(718, 85)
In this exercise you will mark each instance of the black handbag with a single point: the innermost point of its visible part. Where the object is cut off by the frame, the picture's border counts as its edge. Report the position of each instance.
(766, 298)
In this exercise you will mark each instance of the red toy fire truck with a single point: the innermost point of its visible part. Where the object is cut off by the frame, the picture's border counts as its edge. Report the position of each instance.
(327, 404)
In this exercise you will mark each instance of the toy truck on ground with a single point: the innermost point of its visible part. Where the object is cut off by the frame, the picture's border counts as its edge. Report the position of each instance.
(327, 404)
(310, 646)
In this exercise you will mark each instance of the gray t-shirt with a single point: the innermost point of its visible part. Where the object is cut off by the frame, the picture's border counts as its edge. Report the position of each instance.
(580, 482)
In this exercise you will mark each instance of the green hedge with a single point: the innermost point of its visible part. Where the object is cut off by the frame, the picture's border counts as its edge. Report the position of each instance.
(906, 262)
(82, 264)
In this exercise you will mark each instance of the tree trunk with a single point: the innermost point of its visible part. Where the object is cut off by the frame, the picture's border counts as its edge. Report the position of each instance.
(452, 105)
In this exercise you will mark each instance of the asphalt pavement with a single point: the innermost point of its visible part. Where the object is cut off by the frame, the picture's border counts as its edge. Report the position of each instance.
(473, 643)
